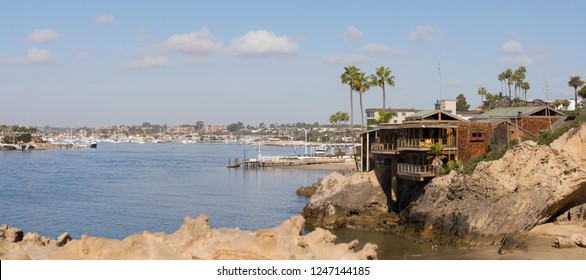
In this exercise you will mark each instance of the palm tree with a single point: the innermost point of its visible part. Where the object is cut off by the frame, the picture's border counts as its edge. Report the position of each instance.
(525, 86)
(361, 83)
(575, 82)
(482, 92)
(502, 78)
(348, 79)
(509, 78)
(382, 77)
(436, 156)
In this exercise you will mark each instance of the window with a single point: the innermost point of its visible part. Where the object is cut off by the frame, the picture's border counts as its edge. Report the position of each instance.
(476, 135)
(403, 114)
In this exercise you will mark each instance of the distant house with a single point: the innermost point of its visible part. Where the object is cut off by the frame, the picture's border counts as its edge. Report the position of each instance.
(400, 114)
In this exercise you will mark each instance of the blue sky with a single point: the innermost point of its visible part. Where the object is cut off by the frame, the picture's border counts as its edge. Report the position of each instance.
(95, 63)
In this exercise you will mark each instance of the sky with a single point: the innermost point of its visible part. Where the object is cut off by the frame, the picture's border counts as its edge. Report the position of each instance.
(99, 63)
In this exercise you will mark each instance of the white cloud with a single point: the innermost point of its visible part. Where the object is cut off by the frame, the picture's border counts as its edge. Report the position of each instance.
(106, 19)
(512, 47)
(378, 49)
(514, 54)
(345, 59)
(148, 62)
(35, 56)
(198, 42)
(423, 34)
(263, 43)
(44, 35)
(352, 33)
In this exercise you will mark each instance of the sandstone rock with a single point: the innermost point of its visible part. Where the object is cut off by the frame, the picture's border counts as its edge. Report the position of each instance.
(13, 234)
(195, 239)
(63, 239)
(32, 238)
(528, 186)
(510, 244)
(355, 201)
(572, 241)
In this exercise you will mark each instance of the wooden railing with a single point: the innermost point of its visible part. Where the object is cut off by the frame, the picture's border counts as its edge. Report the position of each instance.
(425, 142)
(382, 147)
(414, 168)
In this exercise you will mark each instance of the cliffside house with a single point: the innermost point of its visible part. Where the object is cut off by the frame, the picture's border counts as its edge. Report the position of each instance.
(404, 149)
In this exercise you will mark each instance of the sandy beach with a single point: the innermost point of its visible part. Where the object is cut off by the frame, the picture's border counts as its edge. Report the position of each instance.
(539, 241)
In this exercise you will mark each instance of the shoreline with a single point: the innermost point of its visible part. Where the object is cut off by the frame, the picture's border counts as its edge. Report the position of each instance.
(323, 167)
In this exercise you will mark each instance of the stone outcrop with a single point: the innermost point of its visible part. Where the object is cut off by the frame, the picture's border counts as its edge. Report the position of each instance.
(528, 186)
(195, 239)
(353, 201)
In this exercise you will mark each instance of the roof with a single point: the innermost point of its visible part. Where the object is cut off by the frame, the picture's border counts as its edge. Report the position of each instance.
(392, 110)
(515, 112)
(427, 114)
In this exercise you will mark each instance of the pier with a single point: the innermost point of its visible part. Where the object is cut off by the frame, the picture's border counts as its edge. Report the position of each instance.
(263, 162)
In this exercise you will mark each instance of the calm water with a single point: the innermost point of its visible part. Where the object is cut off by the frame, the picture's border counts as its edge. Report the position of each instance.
(121, 189)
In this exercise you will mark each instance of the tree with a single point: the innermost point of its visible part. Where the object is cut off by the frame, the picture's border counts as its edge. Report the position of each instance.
(382, 77)
(518, 79)
(525, 86)
(436, 156)
(385, 117)
(348, 78)
(563, 103)
(461, 103)
(582, 92)
(362, 83)
(235, 127)
(199, 125)
(575, 82)
(483, 93)
(509, 77)
(502, 78)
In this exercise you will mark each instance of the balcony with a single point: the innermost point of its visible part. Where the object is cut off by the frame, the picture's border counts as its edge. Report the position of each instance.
(424, 144)
(415, 172)
(383, 148)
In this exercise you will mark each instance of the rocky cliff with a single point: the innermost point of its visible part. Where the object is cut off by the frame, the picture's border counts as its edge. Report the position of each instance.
(528, 186)
(355, 201)
(194, 240)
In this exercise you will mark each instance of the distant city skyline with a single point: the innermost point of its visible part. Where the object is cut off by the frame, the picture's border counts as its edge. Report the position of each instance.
(79, 63)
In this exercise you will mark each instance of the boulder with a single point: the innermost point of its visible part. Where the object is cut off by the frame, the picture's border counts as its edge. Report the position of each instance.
(530, 185)
(195, 239)
(354, 201)
(572, 241)
(63, 239)
(13, 234)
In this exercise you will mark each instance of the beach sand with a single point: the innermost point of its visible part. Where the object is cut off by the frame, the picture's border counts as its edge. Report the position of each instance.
(539, 246)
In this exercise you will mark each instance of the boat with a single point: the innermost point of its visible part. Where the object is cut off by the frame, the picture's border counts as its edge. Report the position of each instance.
(233, 165)
(320, 151)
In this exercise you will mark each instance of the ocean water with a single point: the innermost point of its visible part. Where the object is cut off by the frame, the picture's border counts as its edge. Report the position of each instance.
(121, 189)
(125, 188)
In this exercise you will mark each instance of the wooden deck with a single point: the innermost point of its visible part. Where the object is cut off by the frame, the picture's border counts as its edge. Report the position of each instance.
(281, 162)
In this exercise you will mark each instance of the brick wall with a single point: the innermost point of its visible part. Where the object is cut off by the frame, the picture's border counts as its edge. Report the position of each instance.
(469, 146)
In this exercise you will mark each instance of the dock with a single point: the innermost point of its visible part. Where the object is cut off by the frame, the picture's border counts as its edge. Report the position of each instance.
(288, 161)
